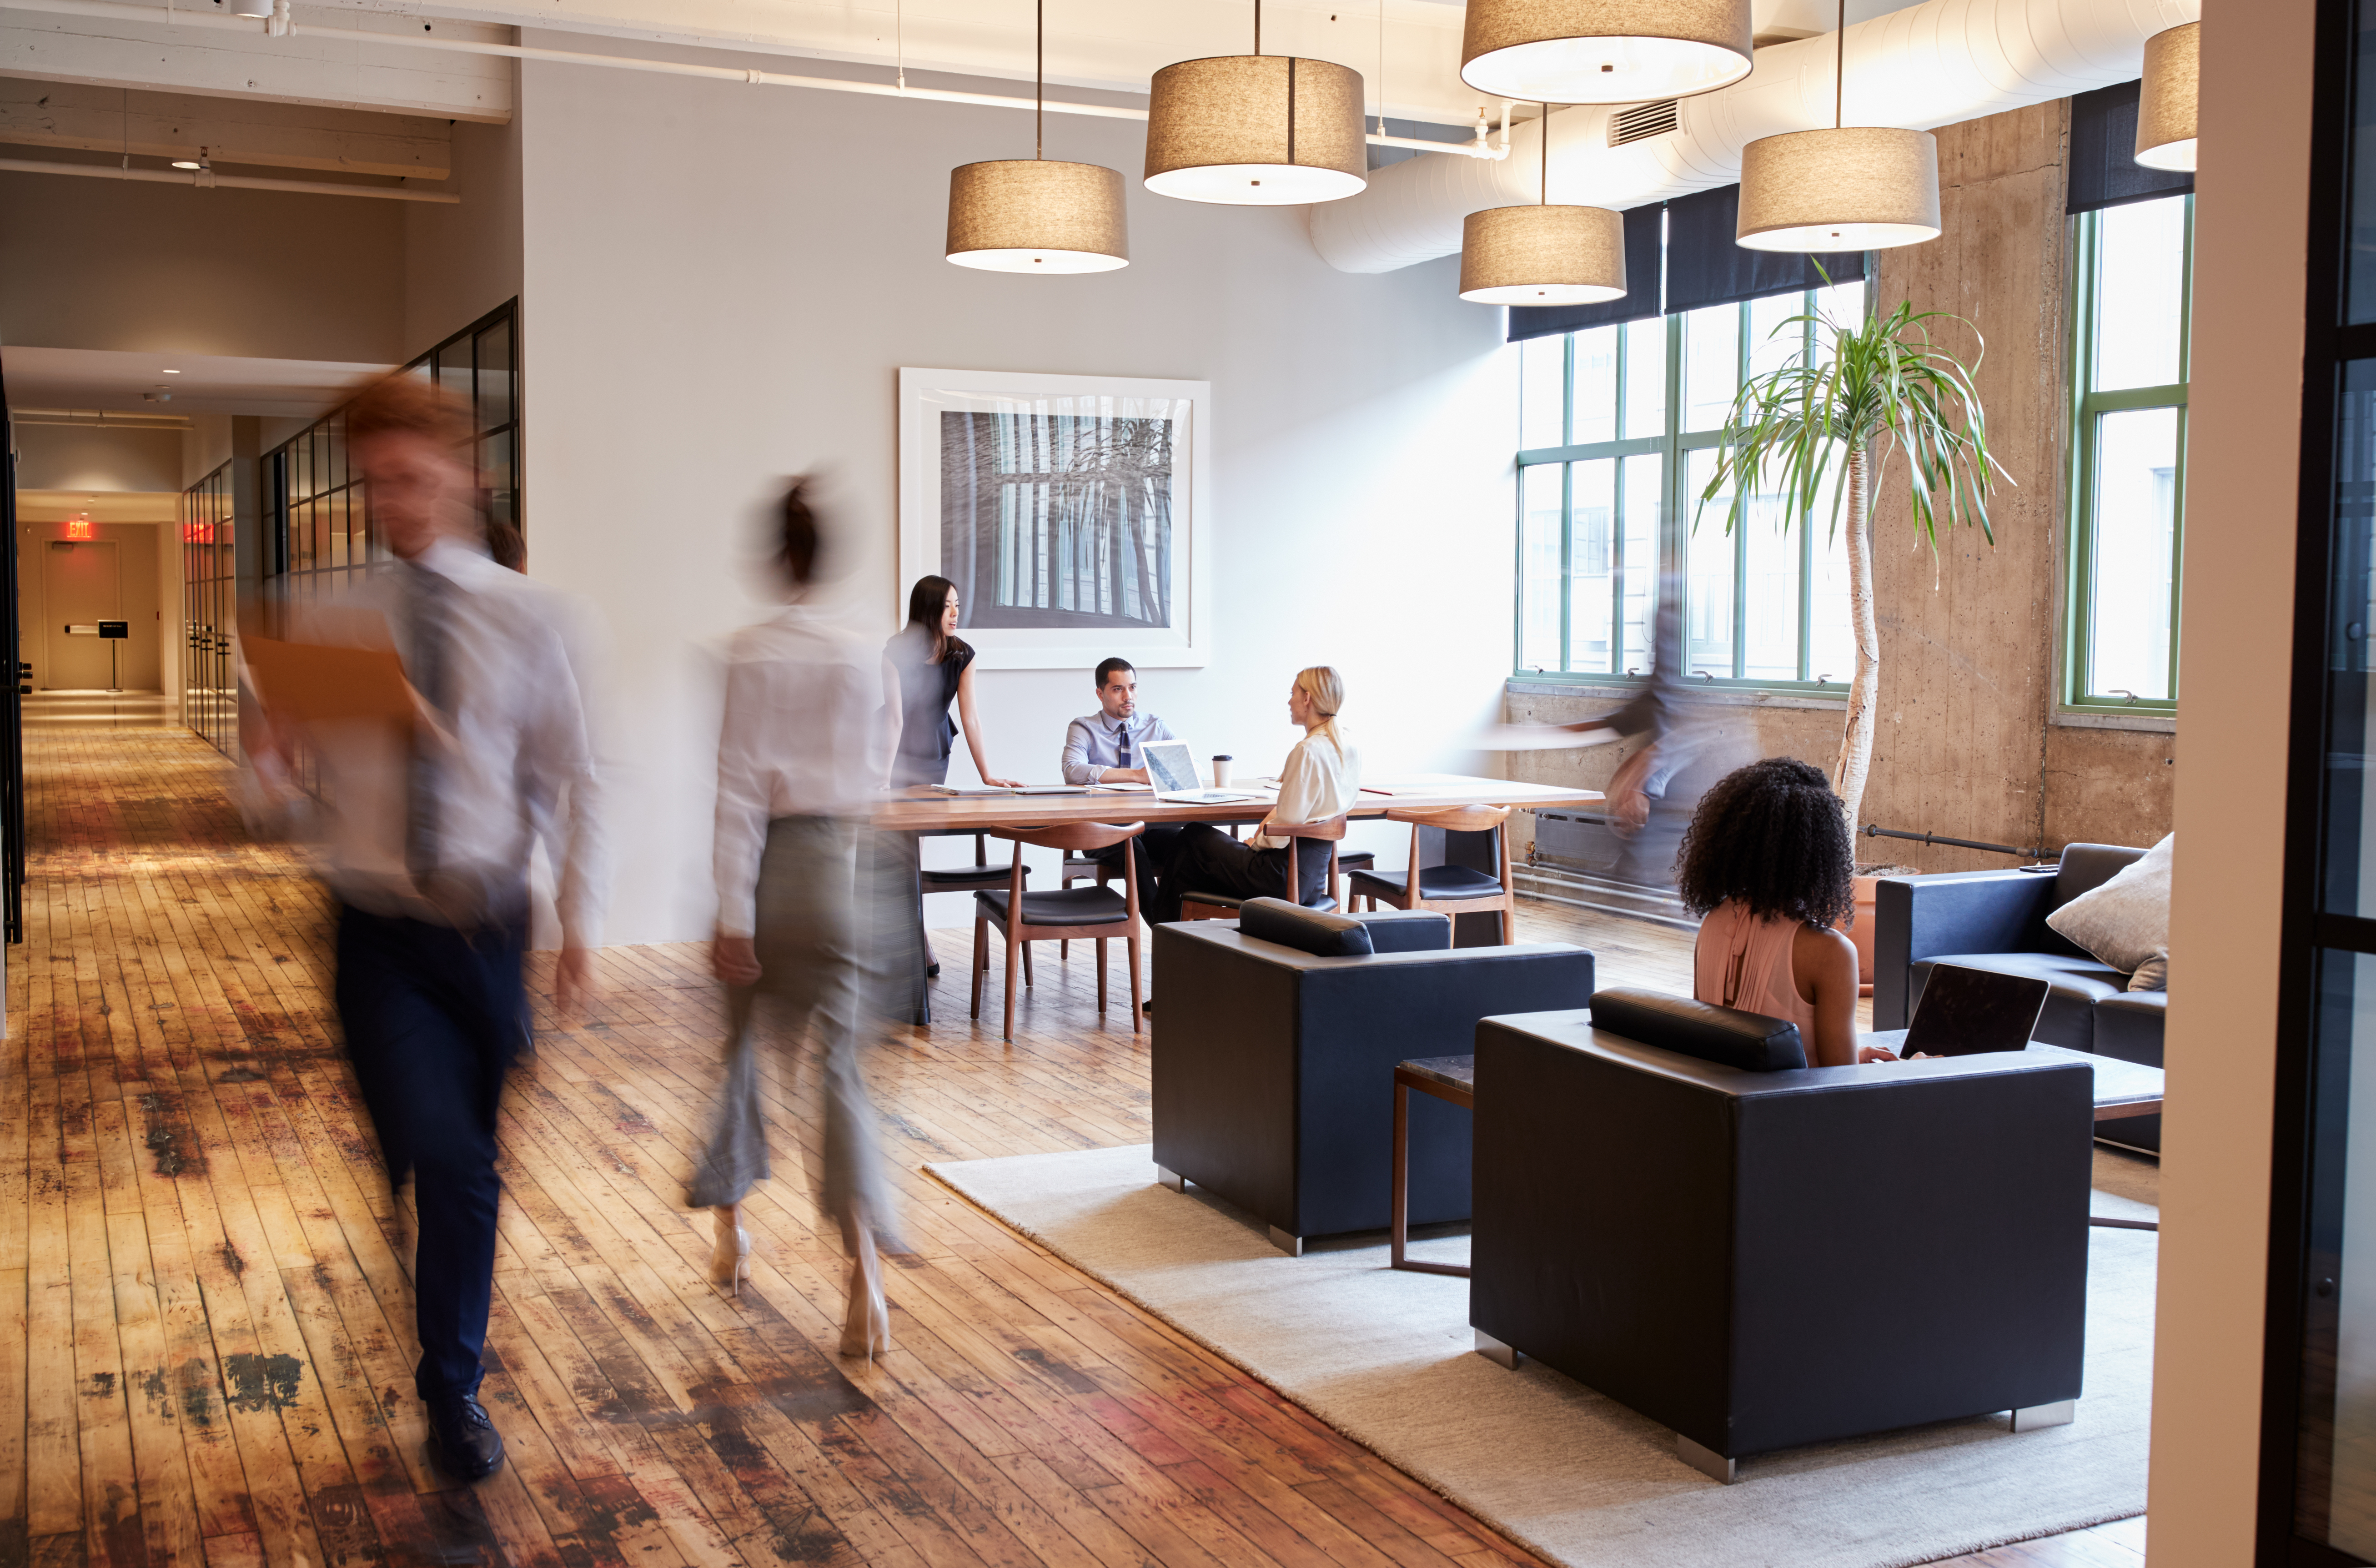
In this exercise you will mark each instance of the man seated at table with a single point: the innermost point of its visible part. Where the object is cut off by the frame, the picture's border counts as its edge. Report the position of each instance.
(1108, 747)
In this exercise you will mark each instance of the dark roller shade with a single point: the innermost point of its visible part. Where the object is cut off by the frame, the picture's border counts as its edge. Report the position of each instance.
(1642, 225)
(1705, 268)
(2104, 167)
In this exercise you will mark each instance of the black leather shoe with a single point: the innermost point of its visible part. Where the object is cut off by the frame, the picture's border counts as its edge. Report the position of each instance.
(931, 971)
(1147, 1005)
(464, 1442)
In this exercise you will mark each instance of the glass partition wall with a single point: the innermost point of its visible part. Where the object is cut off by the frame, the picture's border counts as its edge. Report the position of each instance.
(209, 611)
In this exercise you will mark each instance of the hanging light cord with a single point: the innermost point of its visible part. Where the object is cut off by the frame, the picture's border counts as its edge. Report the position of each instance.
(900, 48)
(1545, 198)
(1382, 67)
(1039, 78)
(1257, 26)
(1841, 67)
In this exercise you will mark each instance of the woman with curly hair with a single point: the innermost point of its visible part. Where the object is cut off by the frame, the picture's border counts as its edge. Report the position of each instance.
(1767, 862)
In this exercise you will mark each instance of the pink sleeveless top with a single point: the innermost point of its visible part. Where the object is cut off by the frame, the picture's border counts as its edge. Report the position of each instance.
(1744, 962)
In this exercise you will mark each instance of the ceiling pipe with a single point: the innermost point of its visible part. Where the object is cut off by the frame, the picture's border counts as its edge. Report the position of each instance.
(1930, 65)
(279, 25)
(209, 177)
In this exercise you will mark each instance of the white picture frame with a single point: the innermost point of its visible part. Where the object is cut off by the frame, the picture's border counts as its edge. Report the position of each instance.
(1111, 557)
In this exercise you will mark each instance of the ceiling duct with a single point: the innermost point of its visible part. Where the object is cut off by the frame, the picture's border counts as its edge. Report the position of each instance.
(1931, 64)
(1643, 121)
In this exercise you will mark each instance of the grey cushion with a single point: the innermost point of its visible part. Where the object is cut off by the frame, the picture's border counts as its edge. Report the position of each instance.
(2076, 981)
(2124, 921)
(2086, 867)
(1752, 1042)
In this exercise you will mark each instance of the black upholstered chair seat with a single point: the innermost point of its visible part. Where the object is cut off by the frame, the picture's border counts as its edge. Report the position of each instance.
(2075, 983)
(1434, 881)
(1074, 906)
(1353, 861)
(1088, 865)
(966, 879)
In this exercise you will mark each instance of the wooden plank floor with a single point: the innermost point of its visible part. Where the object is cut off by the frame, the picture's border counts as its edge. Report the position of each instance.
(207, 1352)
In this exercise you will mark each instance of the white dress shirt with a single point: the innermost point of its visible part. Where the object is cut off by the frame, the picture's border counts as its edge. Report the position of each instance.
(1093, 744)
(801, 739)
(518, 763)
(1322, 779)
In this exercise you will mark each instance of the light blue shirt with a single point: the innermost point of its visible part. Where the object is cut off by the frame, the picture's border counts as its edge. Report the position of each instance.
(1094, 743)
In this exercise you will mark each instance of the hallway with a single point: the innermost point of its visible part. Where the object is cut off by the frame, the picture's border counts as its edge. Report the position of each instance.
(188, 1186)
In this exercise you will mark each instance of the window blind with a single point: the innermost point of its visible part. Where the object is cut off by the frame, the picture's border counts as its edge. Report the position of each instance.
(1704, 267)
(2104, 167)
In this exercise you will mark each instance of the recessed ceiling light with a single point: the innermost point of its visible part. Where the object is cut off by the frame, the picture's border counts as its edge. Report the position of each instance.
(170, 372)
(187, 163)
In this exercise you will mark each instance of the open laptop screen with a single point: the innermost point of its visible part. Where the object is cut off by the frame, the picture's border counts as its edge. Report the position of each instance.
(1965, 1012)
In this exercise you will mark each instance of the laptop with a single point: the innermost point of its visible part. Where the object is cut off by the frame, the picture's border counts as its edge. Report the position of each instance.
(1967, 1012)
(1173, 766)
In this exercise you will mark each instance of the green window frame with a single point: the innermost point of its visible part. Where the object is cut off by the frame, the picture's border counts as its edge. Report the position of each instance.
(2094, 564)
(1613, 647)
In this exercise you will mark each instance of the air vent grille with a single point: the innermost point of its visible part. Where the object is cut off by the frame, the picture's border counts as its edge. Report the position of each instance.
(1643, 122)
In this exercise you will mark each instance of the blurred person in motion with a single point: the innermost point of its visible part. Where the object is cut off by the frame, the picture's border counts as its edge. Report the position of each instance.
(1682, 744)
(426, 824)
(926, 667)
(797, 759)
(1768, 865)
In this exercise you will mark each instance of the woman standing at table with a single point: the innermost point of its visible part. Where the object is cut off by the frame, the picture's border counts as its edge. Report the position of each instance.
(926, 665)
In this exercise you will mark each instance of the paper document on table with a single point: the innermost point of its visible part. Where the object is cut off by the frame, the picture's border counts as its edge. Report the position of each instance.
(310, 682)
(1207, 797)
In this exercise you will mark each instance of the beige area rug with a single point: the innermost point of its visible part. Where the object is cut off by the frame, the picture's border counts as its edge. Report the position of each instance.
(1386, 1357)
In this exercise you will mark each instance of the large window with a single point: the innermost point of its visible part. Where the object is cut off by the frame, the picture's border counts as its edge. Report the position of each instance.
(2128, 488)
(1622, 427)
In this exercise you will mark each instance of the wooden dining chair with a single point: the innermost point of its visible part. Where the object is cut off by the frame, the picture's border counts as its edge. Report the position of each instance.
(1450, 890)
(1224, 906)
(975, 878)
(1089, 914)
(1076, 868)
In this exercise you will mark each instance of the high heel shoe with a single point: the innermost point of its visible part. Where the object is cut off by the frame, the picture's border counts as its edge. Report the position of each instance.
(866, 1326)
(730, 1261)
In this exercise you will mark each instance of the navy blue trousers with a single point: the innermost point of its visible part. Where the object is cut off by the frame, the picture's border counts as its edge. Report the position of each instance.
(433, 1020)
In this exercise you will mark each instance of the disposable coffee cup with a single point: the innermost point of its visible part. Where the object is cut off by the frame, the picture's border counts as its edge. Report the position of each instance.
(1220, 773)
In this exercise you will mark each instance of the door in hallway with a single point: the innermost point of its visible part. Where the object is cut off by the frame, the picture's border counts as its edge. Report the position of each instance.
(79, 588)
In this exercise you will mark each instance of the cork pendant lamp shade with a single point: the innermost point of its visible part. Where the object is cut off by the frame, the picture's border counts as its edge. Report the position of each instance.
(1037, 214)
(1604, 50)
(1850, 188)
(1542, 254)
(1257, 130)
(2166, 100)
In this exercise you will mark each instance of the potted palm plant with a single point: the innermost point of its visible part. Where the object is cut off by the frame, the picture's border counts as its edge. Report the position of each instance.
(1822, 427)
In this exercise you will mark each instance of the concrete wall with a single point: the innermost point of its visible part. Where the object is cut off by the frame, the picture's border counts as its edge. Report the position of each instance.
(2243, 440)
(93, 264)
(1968, 745)
(92, 458)
(720, 287)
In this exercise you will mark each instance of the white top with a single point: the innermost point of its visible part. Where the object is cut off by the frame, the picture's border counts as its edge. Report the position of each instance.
(1318, 782)
(522, 766)
(800, 740)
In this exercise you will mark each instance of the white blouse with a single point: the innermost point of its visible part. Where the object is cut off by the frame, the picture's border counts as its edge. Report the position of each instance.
(1322, 778)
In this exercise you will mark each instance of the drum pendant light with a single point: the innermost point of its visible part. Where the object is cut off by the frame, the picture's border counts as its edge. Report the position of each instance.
(1542, 254)
(1604, 50)
(1034, 215)
(2166, 101)
(1257, 130)
(1850, 188)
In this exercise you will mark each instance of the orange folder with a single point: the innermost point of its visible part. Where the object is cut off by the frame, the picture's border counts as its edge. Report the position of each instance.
(310, 682)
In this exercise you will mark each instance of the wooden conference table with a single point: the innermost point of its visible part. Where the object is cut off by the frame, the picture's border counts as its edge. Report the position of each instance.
(926, 811)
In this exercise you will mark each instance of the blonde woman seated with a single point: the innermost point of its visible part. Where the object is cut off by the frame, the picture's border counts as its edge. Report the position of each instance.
(1768, 861)
(1321, 779)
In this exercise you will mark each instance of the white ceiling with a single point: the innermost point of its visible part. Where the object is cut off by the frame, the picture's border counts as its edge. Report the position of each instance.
(208, 384)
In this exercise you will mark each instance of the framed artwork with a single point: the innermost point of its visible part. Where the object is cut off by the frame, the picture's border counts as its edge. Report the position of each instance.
(1069, 510)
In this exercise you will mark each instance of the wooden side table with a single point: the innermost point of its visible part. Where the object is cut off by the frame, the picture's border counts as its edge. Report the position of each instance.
(1451, 1078)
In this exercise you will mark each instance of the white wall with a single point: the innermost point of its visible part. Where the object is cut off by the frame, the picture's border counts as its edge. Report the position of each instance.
(462, 261)
(721, 284)
(92, 458)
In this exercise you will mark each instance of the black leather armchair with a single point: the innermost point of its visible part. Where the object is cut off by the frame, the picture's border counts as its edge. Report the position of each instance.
(1996, 920)
(1761, 1260)
(1274, 1064)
